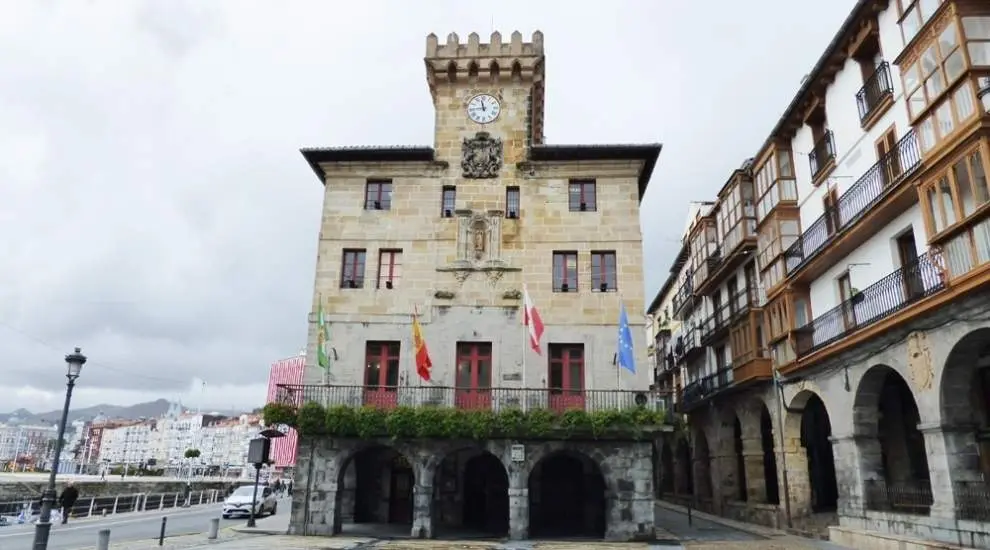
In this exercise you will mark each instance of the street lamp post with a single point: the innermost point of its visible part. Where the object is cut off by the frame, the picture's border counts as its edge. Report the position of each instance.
(74, 363)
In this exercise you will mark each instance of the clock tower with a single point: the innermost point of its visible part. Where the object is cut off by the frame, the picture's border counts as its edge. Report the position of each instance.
(493, 90)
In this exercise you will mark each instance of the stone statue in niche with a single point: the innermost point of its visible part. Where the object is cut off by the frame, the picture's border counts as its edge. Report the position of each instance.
(479, 234)
(481, 156)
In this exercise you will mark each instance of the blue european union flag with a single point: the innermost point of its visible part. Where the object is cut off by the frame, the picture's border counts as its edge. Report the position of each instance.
(625, 353)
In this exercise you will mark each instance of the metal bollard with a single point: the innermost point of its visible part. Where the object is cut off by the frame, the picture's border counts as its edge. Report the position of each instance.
(161, 535)
(103, 540)
(214, 528)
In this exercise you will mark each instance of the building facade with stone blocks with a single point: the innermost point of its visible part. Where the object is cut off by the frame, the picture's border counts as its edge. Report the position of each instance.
(838, 361)
(453, 234)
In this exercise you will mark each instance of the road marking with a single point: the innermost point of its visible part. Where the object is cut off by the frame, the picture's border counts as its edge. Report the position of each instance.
(57, 529)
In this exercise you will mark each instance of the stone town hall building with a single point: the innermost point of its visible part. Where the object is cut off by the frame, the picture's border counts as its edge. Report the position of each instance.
(453, 231)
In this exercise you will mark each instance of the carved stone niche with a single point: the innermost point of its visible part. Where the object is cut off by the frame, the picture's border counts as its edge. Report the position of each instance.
(481, 156)
(479, 246)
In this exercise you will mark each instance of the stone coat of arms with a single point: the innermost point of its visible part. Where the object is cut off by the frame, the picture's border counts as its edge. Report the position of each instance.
(481, 156)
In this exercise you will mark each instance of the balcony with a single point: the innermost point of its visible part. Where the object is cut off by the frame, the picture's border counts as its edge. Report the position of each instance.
(875, 96)
(390, 397)
(822, 155)
(685, 299)
(879, 301)
(716, 325)
(866, 198)
(687, 345)
(695, 393)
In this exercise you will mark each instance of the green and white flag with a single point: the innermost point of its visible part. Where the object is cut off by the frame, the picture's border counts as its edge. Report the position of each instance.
(322, 338)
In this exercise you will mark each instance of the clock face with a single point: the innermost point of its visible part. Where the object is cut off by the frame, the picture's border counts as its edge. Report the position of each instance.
(483, 108)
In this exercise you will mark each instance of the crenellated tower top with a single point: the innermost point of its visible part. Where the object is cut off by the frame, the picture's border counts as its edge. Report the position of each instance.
(495, 63)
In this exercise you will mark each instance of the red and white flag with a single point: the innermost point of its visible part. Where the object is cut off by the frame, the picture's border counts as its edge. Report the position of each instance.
(531, 318)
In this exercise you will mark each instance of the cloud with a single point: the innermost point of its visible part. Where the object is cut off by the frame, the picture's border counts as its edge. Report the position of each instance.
(156, 211)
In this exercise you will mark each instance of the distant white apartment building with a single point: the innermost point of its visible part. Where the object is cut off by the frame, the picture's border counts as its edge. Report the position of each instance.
(128, 444)
(29, 443)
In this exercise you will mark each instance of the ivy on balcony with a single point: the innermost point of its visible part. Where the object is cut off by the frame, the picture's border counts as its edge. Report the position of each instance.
(437, 422)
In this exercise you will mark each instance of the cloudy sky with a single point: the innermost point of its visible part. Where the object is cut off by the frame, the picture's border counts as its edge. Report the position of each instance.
(155, 210)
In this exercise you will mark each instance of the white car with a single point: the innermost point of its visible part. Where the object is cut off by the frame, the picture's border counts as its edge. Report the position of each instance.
(239, 502)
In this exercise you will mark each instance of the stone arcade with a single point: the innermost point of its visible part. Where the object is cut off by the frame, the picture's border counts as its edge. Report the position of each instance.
(520, 489)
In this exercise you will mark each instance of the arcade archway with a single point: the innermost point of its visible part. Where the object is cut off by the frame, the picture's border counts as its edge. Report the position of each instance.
(375, 485)
(567, 497)
(471, 493)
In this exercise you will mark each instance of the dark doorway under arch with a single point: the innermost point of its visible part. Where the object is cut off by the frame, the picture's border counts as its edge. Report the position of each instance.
(486, 495)
(686, 473)
(771, 484)
(666, 469)
(742, 491)
(376, 486)
(816, 431)
(471, 494)
(567, 497)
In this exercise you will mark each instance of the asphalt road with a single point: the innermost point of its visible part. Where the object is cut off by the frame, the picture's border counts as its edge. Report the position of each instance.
(126, 527)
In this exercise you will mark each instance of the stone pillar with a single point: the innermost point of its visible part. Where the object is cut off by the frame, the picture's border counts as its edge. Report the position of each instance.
(793, 465)
(951, 459)
(518, 513)
(422, 526)
(756, 485)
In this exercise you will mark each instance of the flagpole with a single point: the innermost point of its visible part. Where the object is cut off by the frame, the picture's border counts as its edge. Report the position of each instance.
(618, 380)
(415, 318)
(525, 350)
(321, 326)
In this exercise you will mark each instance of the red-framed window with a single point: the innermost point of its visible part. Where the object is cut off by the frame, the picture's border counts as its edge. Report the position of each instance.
(381, 374)
(378, 195)
(389, 268)
(448, 200)
(512, 202)
(381, 364)
(603, 272)
(352, 268)
(565, 272)
(474, 376)
(565, 374)
(582, 196)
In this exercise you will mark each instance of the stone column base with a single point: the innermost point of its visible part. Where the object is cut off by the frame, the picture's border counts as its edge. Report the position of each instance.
(422, 527)
(518, 514)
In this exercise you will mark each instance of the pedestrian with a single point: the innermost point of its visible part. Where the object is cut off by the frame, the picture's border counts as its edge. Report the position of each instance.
(289, 488)
(68, 498)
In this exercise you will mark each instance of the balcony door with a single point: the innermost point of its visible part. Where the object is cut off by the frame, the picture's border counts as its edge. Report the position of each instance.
(566, 376)
(830, 203)
(848, 304)
(907, 251)
(890, 161)
(474, 375)
(381, 374)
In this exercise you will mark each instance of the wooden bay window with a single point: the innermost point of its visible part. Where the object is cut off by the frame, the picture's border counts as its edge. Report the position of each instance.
(704, 244)
(776, 235)
(775, 183)
(976, 31)
(914, 14)
(737, 215)
(935, 71)
(958, 192)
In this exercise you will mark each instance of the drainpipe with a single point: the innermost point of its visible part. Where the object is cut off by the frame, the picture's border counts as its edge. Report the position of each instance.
(781, 408)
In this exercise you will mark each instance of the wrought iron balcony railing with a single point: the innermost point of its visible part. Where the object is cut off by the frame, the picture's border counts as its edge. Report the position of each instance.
(822, 152)
(874, 90)
(866, 193)
(907, 497)
(876, 302)
(717, 322)
(685, 343)
(972, 500)
(389, 397)
(703, 388)
(685, 294)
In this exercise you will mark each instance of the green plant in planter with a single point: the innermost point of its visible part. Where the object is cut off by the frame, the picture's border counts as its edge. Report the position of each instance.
(449, 423)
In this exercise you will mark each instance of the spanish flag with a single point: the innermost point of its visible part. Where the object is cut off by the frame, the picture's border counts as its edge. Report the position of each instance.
(423, 363)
